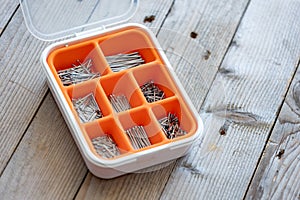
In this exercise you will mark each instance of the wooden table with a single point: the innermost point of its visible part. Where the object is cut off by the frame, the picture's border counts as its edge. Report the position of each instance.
(244, 81)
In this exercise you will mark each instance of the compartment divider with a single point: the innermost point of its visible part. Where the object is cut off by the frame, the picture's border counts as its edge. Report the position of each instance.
(142, 117)
(102, 57)
(110, 127)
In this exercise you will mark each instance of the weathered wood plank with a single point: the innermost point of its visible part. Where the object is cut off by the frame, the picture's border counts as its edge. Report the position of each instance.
(22, 84)
(132, 186)
(277, 176)
(7, 9)
(175, 38)
(22, 87)
(46, 157)
(255, 74)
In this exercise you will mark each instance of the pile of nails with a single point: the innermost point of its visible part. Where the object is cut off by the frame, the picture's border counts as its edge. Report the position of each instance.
(119, 102)
(151, 92)
(138, 137)
(120, 62)
(87, 108)
(105, 147)
(78, 73)
(171, 127)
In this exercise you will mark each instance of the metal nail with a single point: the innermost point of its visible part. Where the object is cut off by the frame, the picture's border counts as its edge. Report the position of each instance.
(105, 146)
(138, 137)
(87, 108)
(119, 102)
(171, 127)
(78, 73)
(121, 62)
(152, 92)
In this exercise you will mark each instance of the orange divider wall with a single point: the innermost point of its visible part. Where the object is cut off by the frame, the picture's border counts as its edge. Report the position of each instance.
(126, 82)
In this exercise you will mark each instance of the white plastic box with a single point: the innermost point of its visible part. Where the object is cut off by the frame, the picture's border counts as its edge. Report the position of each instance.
(93, 40)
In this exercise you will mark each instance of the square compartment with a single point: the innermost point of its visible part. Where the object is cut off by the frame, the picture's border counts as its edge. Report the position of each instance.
(134, 40)
(108, 126)
(172, 105)
(83, 89)
(123, 84)
(68, 56)
(155, 72)
(142, 117)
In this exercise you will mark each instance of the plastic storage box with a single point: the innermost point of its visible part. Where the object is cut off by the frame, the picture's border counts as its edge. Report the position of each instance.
(113, 142)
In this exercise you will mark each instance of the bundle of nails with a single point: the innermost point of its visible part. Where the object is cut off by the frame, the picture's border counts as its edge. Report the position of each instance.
(87, 108)
(151, 92)
(78, 73)
(138, 137)
(170, 126)
(120, 62)
(105, 147)
(119, 103)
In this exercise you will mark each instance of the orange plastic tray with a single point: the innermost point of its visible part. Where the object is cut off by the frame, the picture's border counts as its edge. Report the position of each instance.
(126, 82)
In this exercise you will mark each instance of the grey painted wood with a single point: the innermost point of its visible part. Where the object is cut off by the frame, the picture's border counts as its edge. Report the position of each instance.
(46, 164)
(277, 176)
(39, 159)
(22, 85)
(7, 9)
(255, 73)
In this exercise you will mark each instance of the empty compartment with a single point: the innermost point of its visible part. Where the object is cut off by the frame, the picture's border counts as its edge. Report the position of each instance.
(161, 79)
(127, 42)
(175, 119)
(77, 63)
(107, 139)
(140, 118)
(121, 89)
(89, 101)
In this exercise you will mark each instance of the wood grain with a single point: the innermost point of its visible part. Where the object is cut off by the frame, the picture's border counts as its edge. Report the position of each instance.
(22, 84)
(277, 176)
(46, 157)
(7, 9)
(255, 73)
(150, 185)
(39, 160)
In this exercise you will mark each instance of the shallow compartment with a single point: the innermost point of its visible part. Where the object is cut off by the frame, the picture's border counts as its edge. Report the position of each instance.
(158, 74)
(122, 84)
(172, 105)
(130, 41)
(85, 54)
(107, 126)
(142, 117)
(83, 90)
